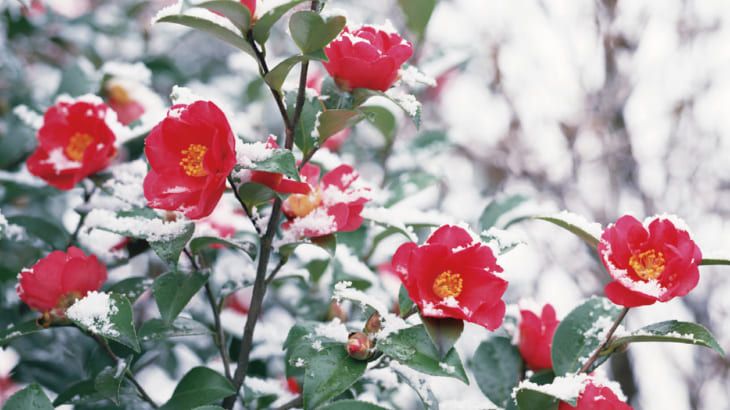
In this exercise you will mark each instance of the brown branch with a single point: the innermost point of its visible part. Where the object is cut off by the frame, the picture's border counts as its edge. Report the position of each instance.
(603, 345)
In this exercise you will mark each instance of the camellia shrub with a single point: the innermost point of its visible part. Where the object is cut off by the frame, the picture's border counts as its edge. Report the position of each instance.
(190, 265)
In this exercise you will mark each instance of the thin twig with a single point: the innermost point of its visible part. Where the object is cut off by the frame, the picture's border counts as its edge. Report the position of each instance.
(88, 193)
(603, 345)
(219, 338)
(128, 374)
(264, 69)
(276, 270)
(249, 214)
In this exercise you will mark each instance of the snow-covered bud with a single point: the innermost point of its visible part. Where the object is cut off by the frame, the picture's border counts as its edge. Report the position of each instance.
(359, 346)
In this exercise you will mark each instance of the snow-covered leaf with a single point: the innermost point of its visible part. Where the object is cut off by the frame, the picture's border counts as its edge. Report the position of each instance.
(131, 288)
(672, 331)
(158, 329)
(581, 333)
(13, 331)
(107, 315)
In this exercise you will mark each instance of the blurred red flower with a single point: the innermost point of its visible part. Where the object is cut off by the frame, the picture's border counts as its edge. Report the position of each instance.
(452, 275)
(649, 262)
(596, 397)
(333, 204)
(59, 279)
(368, 57)
(128, 109)
(74, 142)
(536, 337)
(191, 152)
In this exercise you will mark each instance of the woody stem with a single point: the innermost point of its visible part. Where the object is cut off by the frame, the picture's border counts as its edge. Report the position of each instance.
(587, 365)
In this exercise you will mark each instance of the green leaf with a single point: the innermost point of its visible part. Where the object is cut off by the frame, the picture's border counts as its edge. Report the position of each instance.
(203, 242)
(14, 331)
(329, 372)
(121, 325)
(672, 331)
(262, 27)
(418, 13)
(534, 400)
(30, 398)
(40, 228)
(109, 381)
(209, 407)
(579, 334)
(406, 102)
(444, 332)
(200, 386)
(312, 32)
(407, 184)
(497, 208)
(281, 161)
(568, 224)
(714, 261)
(333, 121)
(158, 329)
(413, 347)
(305, 136)
(405, 304)
(255, 195)
(497, 367)
(207, 26)
(170, 250)
(420, 386)
(276, 76)
(131, 288)
(327, 242)
(235, 11)
(351, 405)
(174, 290)
(383, 119)
(78, 392)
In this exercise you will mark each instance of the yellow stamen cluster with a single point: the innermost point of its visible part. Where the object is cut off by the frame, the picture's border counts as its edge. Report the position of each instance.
(192, 160)
(77, 145)
(448, 284)
(648, 265)
(302, 205)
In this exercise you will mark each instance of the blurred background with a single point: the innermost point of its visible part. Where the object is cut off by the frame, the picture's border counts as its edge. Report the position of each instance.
(599, 107)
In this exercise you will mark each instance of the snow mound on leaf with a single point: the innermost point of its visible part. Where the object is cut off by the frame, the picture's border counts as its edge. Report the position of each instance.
(570, 386)
(93, 312)
(154, 230)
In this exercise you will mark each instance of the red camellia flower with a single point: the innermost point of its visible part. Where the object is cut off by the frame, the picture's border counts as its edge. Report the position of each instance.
(536, 337)
(453, 275)
(278, 182)
(59, 279)
(191, 152)
(649, 262)
(74, 142)
(596, 397)
(332, 205)
(366, 58)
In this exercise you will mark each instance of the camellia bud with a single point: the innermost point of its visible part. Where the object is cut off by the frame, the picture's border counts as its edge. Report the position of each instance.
(373, 324)
(359, 346)
(335, 311)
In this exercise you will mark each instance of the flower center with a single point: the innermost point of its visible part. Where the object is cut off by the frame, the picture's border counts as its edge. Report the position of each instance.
(448, 284)
(648, 265)
(302, 205)
(77, 146)
(68, 299)
(192, 160)
(118, 94)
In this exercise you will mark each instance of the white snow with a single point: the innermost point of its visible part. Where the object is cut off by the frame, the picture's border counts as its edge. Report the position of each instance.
(334, 330)
(579, 221)
(249, 154)
(9, 358)
(151, 229)
(94, 312)
(28, 116)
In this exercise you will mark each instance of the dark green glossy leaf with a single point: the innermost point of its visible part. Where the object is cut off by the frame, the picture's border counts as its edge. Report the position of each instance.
(281, 161)
(131, 288)
(497, 208)
(207, 26)
(534, 400)
(312, 32)
(263, 25)
(414, 348)
(418, 13)
(334, 121)
(14, 331)
(30, 398)
(579, 334)
(444, 332)
(255, 195)
(203, 242)
(329, 372)
(305, 135)
(40, 228)
(235, 11)
(157, 329)
(405, 304)
(109, 381)
(200, 386)
(497, 367)
(174, 290)
(382, 119)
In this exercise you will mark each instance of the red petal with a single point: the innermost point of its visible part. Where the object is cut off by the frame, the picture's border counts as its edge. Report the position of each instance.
(622, 296)
(451, 236)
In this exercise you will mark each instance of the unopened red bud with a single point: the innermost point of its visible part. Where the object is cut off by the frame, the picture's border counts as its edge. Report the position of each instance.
(359, 346)
(373, 324)
(335, 311)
